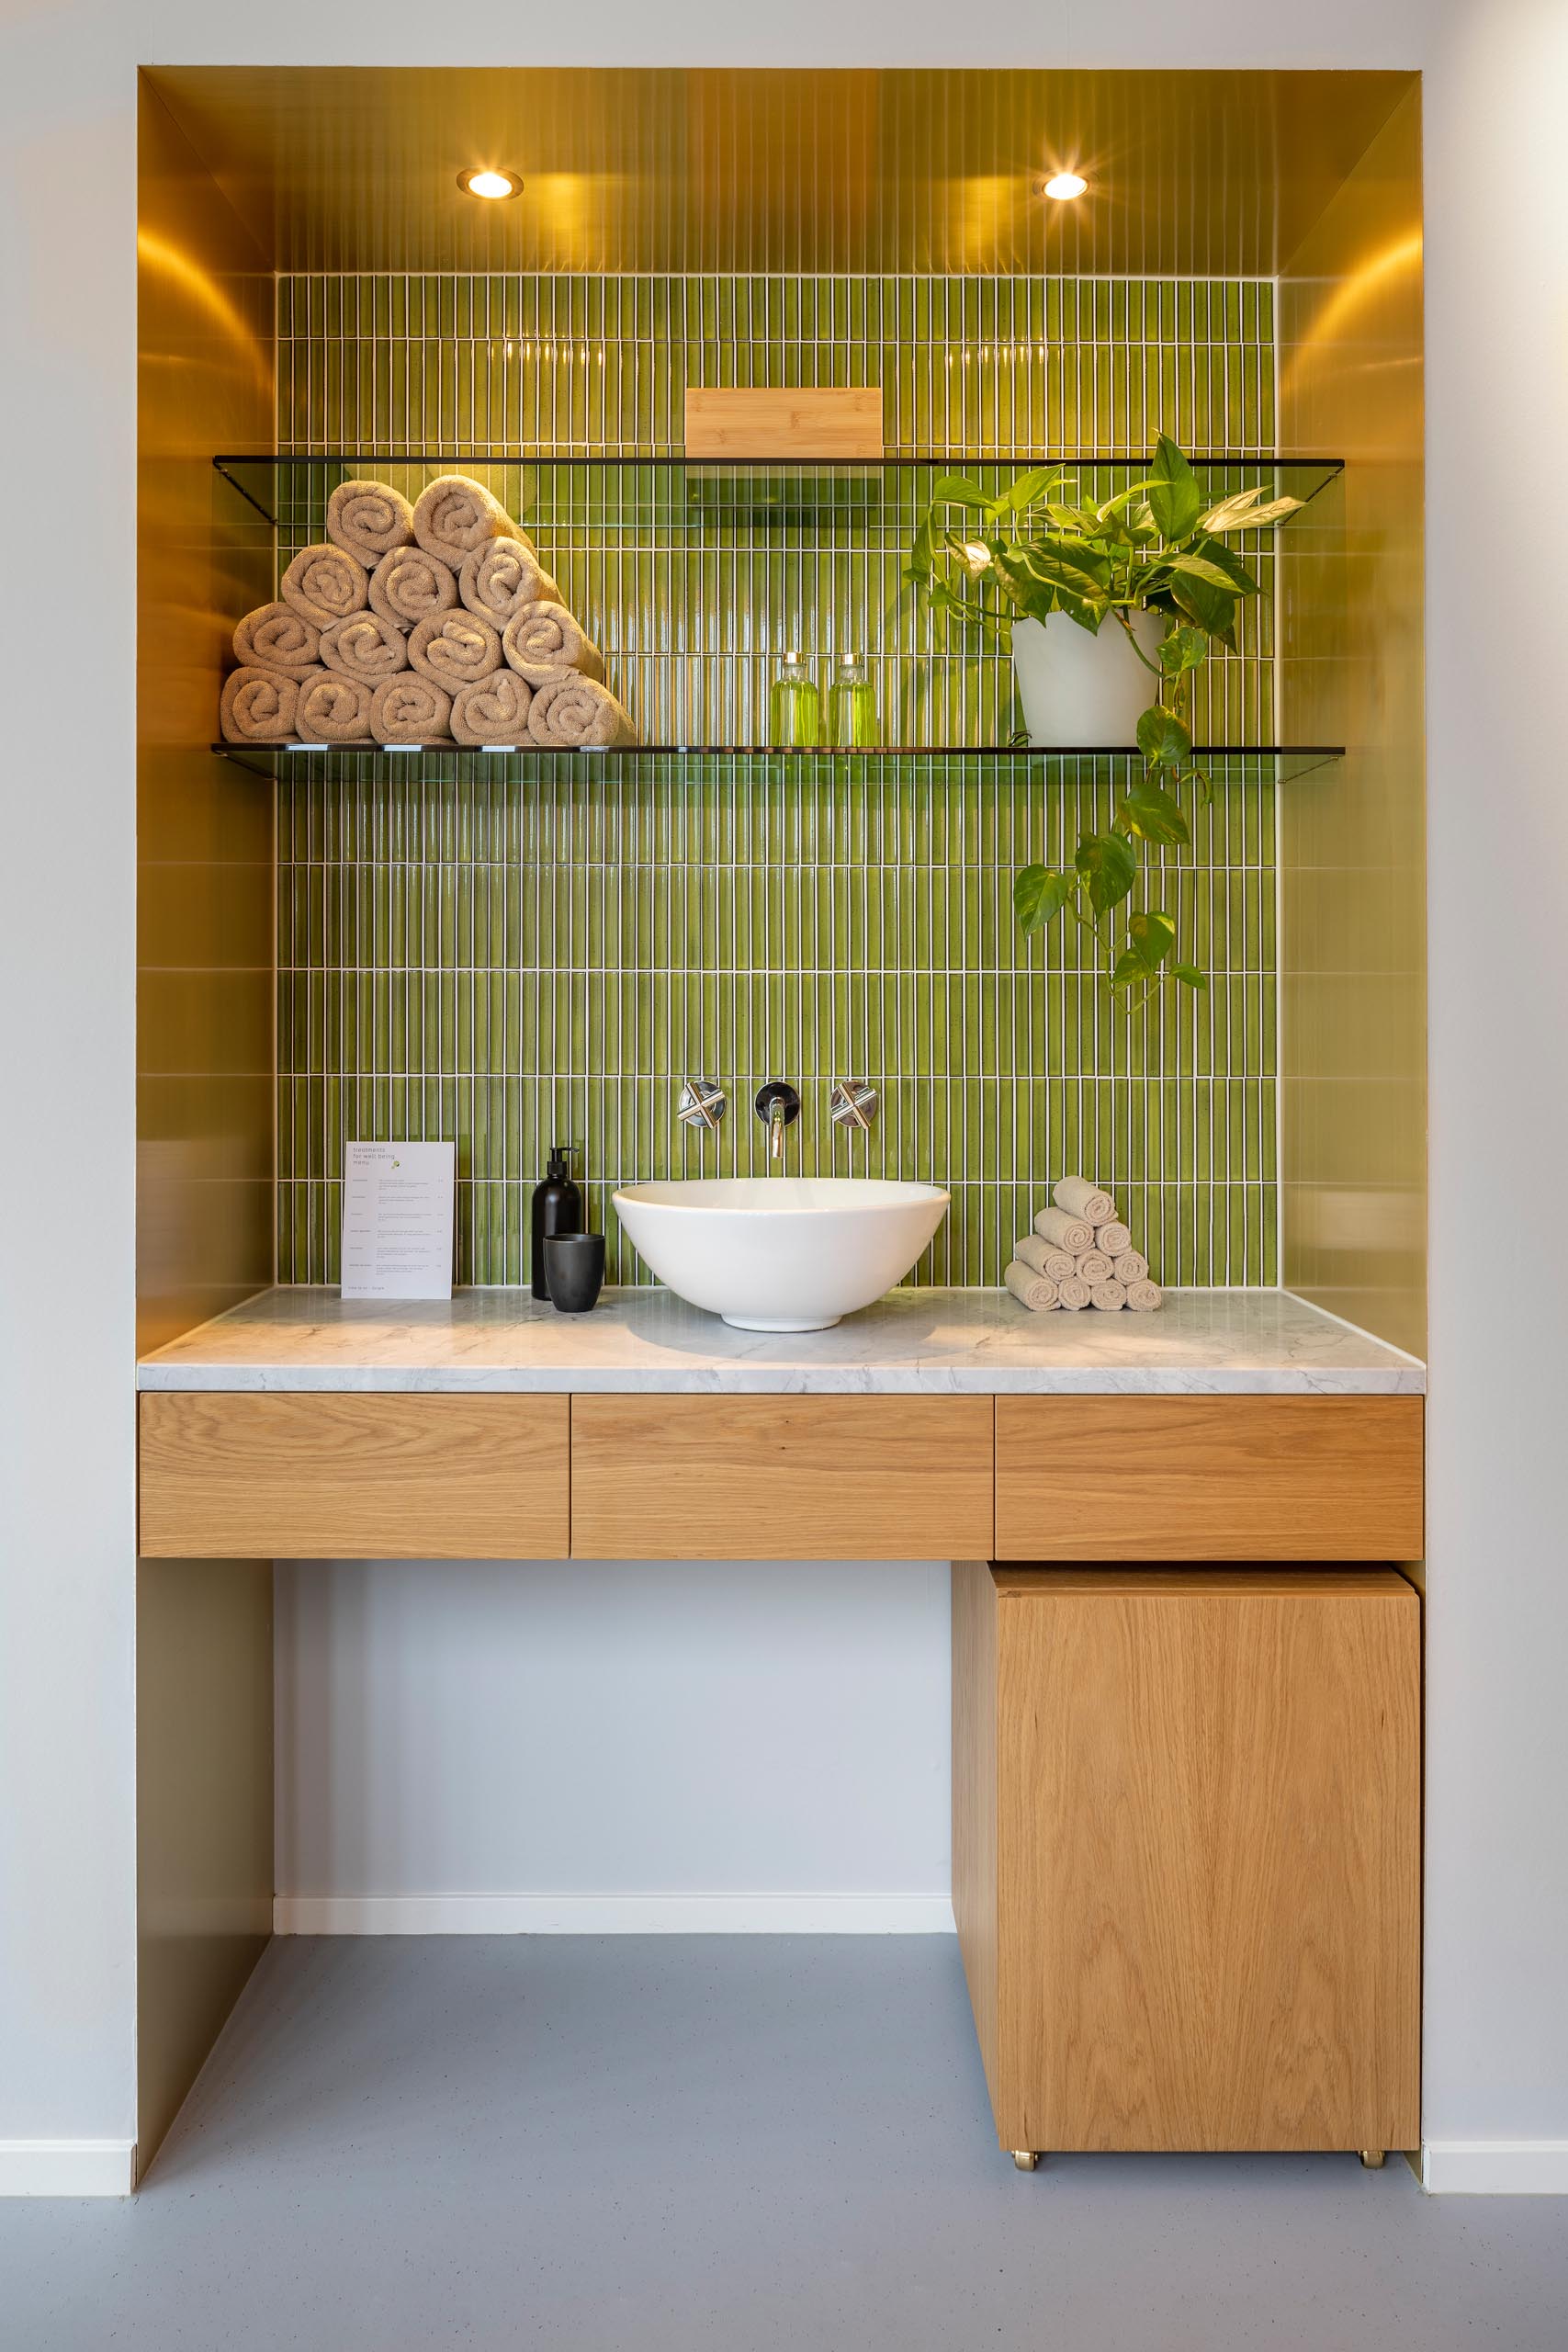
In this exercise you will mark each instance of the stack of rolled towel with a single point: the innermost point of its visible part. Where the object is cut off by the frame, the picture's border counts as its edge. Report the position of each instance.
(418, 623)
(1080, 1254)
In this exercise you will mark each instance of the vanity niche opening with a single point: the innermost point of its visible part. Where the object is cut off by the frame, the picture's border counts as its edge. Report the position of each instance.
(500, 948)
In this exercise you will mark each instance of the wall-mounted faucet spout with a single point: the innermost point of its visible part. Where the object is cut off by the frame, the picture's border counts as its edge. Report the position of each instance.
(778, 1103)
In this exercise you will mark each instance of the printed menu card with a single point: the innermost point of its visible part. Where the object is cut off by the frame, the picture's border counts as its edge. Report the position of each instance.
(398, 1201)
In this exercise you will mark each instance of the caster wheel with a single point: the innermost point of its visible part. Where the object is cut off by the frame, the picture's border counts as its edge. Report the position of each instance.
(1025, 2159)
(1371, 2159)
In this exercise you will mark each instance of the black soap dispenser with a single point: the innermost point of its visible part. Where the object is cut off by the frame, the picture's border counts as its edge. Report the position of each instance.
(558, 1208)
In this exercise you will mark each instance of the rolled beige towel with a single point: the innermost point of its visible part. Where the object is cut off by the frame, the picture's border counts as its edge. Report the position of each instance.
(572, 712)
(258, 707)
(542, 639)
(333, 709)
(1073, 1294)
(1145, 1298)
(455, 650)
(1114, 1240)
(366, 647)
(1064, 1232)
(1080, 1198)
(1110, 1296)
(368, 518)
(276, 637)
(409, 709)
(492, 710)
(1130, 1267)
(453, 516)
(325, 583)
(500, 578)
(1030, 1289)
(1054, 1263)
(1093, 1266)
(408, 586)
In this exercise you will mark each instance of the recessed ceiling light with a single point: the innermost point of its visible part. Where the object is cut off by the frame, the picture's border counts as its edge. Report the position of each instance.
(1064, 187)
(484, 182)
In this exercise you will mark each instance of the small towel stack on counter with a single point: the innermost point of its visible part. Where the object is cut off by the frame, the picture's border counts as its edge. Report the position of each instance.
(1080, 1254)
(415, 624)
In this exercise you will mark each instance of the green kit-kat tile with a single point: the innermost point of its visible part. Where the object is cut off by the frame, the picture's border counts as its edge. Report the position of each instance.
(533, 955)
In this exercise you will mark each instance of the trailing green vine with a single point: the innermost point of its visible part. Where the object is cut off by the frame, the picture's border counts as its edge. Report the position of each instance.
(984, 562)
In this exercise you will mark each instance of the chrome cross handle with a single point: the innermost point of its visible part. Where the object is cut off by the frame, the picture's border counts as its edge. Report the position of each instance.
(702, 1104)
(854, 1103)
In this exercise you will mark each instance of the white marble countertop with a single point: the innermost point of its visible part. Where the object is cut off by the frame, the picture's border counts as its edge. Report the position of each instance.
(971, 1342)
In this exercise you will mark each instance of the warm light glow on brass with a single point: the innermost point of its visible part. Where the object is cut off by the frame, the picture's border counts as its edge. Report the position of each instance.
(493, 185)
(1064, 187)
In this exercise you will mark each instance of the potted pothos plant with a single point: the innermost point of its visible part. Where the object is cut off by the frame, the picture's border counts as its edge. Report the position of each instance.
(1154, 563)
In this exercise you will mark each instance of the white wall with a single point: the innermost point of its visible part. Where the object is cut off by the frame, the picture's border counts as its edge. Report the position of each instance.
(1496, 2034)
(642, 1745)
(1497, 2044)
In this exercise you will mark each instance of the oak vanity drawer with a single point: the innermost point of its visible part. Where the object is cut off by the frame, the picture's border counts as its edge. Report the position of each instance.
(1209, 1478)
(782, 1477)
(339, 1477)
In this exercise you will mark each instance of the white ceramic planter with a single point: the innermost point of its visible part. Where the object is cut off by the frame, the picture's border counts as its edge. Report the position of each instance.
(1084, 693)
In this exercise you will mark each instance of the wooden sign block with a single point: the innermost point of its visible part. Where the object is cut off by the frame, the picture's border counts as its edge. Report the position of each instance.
(788, 423)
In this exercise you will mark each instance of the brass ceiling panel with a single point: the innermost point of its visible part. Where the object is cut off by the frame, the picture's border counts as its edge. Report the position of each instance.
(354, 168)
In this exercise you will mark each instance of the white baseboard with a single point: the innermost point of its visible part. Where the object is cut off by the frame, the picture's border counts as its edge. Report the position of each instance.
(67, 2167)
(1494, 2167)
(612, 1915)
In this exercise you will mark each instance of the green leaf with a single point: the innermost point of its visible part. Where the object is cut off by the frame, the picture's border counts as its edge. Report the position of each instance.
(1175, 500)
(1038, 894)
(1202, 567)
(1188, 975)
(1153, 935)
(1150, 938)
(1154, 816)
(1032, 489)
(1244, 513)
(1182, 649)
(1212, 608)
(1109, 867)
(1225, 559)
(1041, 580)
(1162, 738)
(957, 490)
(1082, 567)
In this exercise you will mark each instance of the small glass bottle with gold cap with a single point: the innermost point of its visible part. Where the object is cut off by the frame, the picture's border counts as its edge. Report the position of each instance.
(851, 707)
(794, 708)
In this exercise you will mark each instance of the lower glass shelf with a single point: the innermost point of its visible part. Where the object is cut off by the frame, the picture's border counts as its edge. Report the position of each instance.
(364, 763)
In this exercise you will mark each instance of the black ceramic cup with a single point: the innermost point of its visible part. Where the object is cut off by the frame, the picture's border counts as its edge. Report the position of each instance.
(574, 1270)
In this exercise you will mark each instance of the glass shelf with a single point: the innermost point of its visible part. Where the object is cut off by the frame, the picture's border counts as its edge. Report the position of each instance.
(371, 763)
(548, 489)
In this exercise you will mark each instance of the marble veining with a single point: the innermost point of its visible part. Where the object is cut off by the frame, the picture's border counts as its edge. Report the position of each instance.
(967, 1342)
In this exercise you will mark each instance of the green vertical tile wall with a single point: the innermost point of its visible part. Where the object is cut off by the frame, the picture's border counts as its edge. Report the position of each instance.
(541, 952)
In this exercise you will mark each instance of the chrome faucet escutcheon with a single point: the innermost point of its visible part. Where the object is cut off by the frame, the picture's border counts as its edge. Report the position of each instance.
(778, 1104)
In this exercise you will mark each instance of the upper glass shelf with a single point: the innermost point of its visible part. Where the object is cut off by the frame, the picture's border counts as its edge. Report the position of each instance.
(374, 762)
(546, 486)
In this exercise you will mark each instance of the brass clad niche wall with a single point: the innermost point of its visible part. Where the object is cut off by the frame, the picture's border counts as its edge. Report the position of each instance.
(541, 955)
(1353, 949)
(206, 1094)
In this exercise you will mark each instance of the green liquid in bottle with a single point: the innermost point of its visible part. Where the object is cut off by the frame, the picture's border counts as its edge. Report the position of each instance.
(794, 708)
(852, 708)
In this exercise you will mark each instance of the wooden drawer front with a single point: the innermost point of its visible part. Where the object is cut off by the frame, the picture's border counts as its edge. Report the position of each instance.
(1209, 1478)
(355, 1477)
(780, 1477)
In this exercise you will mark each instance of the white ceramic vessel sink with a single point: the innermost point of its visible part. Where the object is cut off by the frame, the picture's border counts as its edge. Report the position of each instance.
(781, 1253)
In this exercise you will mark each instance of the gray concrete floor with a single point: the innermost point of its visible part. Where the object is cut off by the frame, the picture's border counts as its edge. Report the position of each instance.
(739, 2142)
